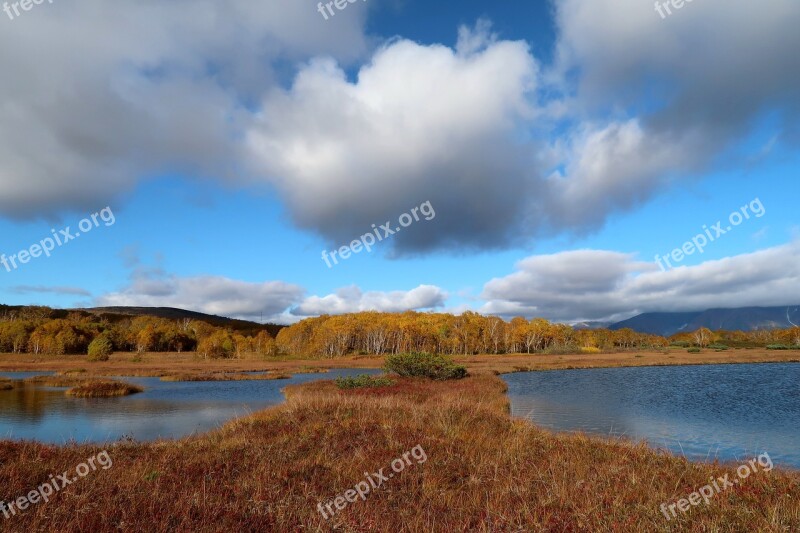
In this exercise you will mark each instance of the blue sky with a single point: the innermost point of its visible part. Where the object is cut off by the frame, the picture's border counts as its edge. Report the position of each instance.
(560, 155)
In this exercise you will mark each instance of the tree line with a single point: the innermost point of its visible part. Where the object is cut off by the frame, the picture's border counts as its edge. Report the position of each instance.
(45, 331)
(41, 330)
(374, 333)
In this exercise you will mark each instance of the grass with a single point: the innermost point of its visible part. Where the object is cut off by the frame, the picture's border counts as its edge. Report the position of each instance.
(72, 372)
(104, 389)
(57, 380)
(363, 381)
(225, 377)
(162, 364)
(485, 472)
(6, 384)
(308, 370)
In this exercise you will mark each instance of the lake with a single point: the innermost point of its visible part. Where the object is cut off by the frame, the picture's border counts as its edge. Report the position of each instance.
(163, 410)
(730, 412)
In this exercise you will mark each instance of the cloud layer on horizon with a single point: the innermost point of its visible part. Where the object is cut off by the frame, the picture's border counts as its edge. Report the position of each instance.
(603, 285)
(568, 287)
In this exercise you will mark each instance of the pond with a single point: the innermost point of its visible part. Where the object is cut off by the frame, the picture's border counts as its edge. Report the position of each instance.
(728, 412)
(163, 410)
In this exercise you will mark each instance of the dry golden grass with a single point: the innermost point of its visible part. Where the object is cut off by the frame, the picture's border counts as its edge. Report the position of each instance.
(485, 472)
(164, 364)
(503, 364)
(58, 380)
(225, 377)
(104, 389)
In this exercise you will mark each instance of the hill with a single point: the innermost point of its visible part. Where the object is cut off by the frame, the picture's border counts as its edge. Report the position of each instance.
(114, 314)
(743, 318)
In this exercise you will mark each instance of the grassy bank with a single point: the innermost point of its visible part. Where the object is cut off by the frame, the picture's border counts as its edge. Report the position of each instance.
(164, 364)
(484, 472)
(225, 377)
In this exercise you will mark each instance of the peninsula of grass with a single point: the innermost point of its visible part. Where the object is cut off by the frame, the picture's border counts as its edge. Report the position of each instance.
(225, 377)
(485, 472)
(58, 380)
(104, 389)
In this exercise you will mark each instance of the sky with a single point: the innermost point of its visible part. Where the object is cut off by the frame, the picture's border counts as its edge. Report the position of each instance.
(578, 160)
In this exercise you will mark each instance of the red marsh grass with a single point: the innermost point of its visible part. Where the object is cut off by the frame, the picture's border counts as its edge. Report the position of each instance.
(104, 389)
(486, 472)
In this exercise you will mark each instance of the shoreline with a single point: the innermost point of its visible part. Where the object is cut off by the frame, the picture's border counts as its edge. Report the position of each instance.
(283, 461)
(159, 364)
(622, 360)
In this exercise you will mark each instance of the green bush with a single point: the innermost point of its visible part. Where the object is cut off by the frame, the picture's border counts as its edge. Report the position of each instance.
(694, 350)
(778, 347)
(100, 349)
(717, 347)
(426, 365)
(363, 381)
(680, 344)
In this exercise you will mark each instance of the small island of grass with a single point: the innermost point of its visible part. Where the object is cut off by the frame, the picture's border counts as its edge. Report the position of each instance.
(104, 389)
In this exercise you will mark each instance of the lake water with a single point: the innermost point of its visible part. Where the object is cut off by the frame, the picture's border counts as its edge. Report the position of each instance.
(728, 412)
(163, 410)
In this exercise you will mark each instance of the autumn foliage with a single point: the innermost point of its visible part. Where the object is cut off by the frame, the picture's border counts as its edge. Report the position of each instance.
(43, 331)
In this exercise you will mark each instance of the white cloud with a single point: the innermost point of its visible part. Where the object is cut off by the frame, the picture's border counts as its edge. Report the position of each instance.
(278, 301)
(420, 123)
(99, 95)
(214, 295)
(605, 285)
(353, 300)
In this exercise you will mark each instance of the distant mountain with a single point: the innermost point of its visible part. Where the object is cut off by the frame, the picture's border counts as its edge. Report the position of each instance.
(173, 313)
(742, 318)
(114, 314)
(590, 325)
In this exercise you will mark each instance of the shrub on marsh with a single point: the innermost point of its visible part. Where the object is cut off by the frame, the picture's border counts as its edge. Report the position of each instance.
(363, 381)
(426, 365)
(778, 347)
(694, 350)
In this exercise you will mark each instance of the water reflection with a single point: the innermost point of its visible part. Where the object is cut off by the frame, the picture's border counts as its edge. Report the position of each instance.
(164, 410)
